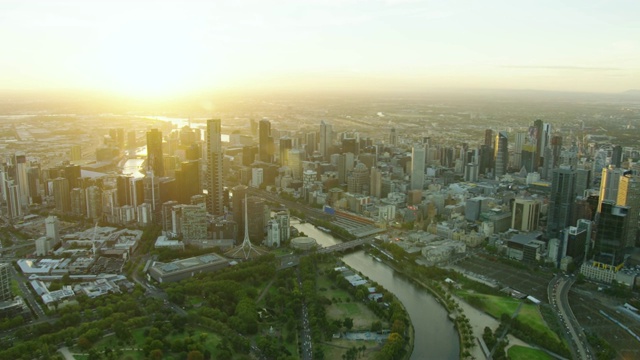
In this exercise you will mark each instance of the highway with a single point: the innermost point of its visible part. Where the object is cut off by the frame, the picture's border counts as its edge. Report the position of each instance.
(558, 298)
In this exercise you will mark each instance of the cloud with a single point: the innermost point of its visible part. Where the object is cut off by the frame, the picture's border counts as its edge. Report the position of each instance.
(561, 67)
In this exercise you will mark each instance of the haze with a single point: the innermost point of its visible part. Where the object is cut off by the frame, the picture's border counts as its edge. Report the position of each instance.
(152, 49)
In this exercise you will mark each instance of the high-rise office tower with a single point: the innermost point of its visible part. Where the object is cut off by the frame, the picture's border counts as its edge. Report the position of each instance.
(326, 140)
(375, 178)
(358, 180)
(611, 222)
(14, 202)
(501, 157)
(62, 195)
(610, 183)
(311, 144)
(239, 193)
(295, 163)
(346, 162)
(560, 201)
(78, 202)
(629, 196)
(214, 167)
(393, 137)
(521, 139)
(286, 144)
(155, 158)
(265, 141)
(188, 181)
(123, 185)
(33, 179)
(52, 228)
(257, 218)
(583, 180)
(282, 217)
(249, 155)
(21, 166)
(94, 202)
(616, 156)
(488, 138)
(556, 149)
(539, 141)
(5, 282)
(418, 154)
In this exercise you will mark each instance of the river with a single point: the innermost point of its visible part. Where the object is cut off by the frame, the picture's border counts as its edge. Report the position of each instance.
(435, 336)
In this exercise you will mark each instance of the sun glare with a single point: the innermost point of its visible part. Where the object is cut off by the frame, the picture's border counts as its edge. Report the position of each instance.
(150, 58)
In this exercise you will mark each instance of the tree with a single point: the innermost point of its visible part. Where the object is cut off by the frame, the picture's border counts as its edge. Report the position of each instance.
(195, 355)
(348, 323)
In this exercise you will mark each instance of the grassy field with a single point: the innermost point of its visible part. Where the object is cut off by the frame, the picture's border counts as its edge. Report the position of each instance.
(530, 315)
(491, 304)
(518, 352)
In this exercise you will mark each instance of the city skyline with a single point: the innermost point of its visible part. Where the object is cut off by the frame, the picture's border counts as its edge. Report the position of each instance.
(146, 49)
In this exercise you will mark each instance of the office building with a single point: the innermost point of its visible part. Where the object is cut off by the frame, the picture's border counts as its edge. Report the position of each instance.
(188, 181)
(215, 204)
(265, 141)
(611, 225)
(561, 200)
(62, 195)
(326, 140)
(155, 158)
(501, 156)
(5, 282)
(526, 213)
(417, 167)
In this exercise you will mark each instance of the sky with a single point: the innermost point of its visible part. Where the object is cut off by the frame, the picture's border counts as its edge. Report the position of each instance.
(164, 48)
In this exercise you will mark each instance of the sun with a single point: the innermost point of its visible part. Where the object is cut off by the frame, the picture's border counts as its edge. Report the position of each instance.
(151, 60)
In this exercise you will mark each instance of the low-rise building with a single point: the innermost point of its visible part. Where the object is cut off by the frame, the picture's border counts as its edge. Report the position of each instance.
(186, 268)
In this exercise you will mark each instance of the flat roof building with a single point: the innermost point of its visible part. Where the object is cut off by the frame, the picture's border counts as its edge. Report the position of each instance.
(185, 268)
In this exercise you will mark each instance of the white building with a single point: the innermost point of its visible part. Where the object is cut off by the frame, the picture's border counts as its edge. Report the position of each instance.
(273, 233)
(257, 177)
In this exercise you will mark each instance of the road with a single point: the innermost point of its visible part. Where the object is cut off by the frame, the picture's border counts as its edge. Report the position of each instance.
(558, 296)
(23, 283)
(306, 346)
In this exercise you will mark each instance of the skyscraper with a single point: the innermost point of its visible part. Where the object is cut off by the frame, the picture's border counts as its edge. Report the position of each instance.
(417, 167)
(610, 237)
(155, 160)
(561, 200)
(5, 282)
(214, 167)
(188, 181)
(286, 144)
(629, 196)
(609, 184)
(393, 137)
(501, 155)
(62, 195)
(326, 140)
(538, 137)
(265, 141)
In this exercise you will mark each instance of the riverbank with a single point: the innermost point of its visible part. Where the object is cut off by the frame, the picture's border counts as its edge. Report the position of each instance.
(439, 298)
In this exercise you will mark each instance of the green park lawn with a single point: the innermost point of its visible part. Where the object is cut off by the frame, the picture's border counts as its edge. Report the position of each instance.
(518, 352)
(530, 315)
(359, 312)
(491, 304)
